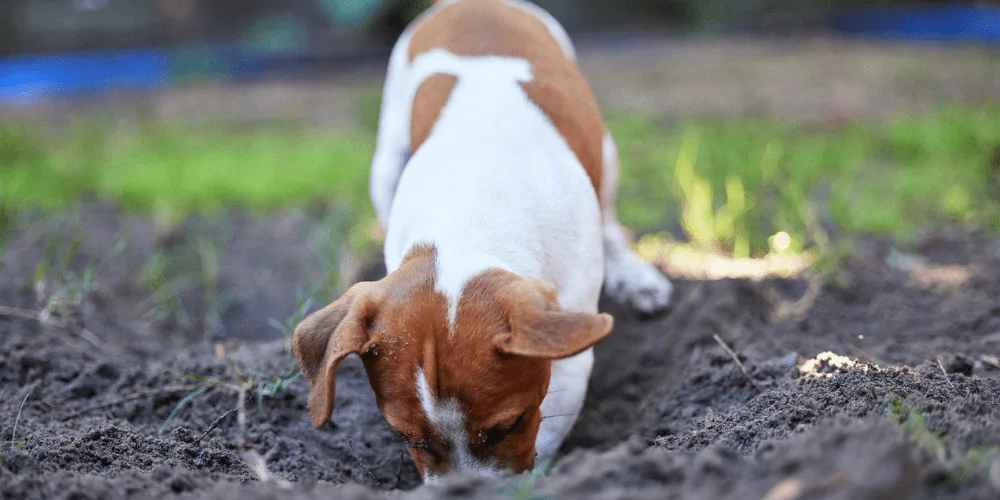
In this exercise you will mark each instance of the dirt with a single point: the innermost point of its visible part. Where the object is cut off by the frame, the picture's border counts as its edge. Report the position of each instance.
(669, 415)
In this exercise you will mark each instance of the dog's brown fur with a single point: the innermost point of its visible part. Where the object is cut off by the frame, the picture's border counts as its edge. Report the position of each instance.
(491, 27)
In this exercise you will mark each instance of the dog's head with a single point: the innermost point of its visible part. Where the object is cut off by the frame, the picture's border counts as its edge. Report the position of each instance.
(463, 384)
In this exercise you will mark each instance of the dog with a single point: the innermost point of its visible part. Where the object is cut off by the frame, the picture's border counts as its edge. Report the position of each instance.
(493, 178)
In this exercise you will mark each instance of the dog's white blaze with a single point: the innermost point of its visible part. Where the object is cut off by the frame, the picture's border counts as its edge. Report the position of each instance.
(446, 418)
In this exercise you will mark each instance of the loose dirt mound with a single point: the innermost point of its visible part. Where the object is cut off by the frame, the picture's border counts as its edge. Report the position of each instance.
(670, 415)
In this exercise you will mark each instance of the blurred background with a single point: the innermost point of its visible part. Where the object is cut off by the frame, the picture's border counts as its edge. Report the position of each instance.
(208, 159)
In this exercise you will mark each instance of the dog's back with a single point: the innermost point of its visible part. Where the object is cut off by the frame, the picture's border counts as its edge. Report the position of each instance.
(505, 148)
(515, 30)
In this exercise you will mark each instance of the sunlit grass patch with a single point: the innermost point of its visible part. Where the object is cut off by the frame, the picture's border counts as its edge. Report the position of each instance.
(732, 186)
(172, 171)
(687, 261)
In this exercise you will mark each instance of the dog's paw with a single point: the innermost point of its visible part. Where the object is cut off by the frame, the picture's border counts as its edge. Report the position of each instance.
(638, 284)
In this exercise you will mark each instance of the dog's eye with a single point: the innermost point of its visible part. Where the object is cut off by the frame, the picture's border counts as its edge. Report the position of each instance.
(496, 434)
(514, 425)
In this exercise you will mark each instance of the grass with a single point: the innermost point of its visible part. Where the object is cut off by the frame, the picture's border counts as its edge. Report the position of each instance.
(732, 185)
(171, 171)
(960, 467)
(16, 445)
(735, 185)
(524, 489)
(56, 285)
(287, 328)
(258, 383)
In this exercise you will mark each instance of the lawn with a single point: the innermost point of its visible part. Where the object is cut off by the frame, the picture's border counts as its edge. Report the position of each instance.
(731, 185)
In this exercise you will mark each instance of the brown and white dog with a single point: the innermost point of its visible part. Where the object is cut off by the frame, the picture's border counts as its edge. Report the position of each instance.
(494, 180)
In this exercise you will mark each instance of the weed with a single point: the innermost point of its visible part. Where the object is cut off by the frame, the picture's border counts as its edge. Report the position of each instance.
(185, 400)
(327, 242)
(14, 444)
(706, 226)
(190, 264)
(165, 288)
(214, 302)
(287, 329)
(960, 467)
(258, 382)
(525, 488)
(58, 287)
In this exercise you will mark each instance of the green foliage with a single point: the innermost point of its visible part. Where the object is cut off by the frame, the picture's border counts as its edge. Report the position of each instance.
(59, 285)
(959, 467)
(174, 171)
(190, 264)
(368, 109)
(733, 185)
(524, 489)
(287, 329)
(14, 444)
(258, 384)
(8, 221)
(185, 400)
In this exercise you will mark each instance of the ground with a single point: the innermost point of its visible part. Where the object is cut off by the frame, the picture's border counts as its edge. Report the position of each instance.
(883, 382)
(670, 414)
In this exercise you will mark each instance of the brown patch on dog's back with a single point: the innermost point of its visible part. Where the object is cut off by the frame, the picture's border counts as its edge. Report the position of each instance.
(490, 27)
(430, 98)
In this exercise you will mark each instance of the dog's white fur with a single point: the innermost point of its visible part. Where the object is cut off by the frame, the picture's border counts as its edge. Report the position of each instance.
(495, 186)
(447, 420)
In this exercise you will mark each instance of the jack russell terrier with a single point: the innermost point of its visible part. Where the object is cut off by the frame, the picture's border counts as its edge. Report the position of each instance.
(494, 179)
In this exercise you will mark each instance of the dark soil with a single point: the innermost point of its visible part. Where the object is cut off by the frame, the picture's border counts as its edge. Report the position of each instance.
(669, 415)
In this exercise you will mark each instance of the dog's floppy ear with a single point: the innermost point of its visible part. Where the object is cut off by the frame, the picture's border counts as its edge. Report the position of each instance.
(327, 336)
(538, 329)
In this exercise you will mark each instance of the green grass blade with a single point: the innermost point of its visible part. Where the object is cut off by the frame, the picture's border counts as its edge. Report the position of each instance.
(187, 399)
(17, 420)
(277, 324)
(237, 369)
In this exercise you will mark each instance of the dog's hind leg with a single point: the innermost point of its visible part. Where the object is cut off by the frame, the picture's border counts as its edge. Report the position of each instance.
(392, 143)
(628, 279)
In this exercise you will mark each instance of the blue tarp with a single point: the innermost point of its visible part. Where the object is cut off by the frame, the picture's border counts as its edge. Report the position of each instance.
(925, 23)
(24, 79)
